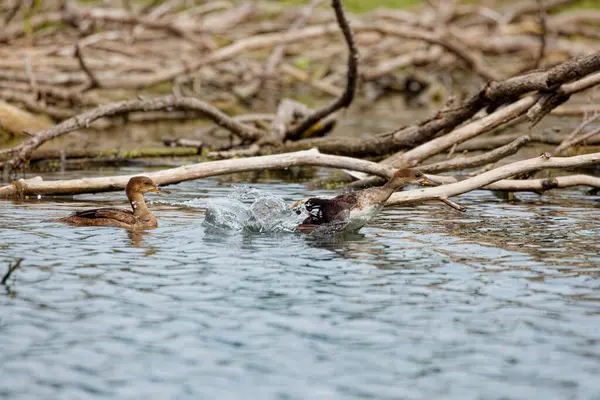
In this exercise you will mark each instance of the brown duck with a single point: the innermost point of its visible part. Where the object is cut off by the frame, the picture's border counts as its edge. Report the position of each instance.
(140, 217)
(357, 208)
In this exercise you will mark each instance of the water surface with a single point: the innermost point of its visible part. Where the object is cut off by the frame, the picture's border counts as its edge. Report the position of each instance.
(502, 302)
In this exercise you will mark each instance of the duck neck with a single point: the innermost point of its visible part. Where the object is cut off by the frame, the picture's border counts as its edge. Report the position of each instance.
(138, 204)
(382, 193)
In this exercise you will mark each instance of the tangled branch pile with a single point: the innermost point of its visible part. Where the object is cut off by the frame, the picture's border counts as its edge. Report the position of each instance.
(72, 62)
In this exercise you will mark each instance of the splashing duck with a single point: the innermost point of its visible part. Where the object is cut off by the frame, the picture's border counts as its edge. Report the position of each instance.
(140, 217)
(355, 209)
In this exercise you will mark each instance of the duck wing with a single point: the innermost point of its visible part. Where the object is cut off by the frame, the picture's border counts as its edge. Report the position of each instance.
(116, 214)
(323, 211)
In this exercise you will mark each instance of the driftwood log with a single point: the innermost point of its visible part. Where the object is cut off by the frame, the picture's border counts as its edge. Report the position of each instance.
(37, 186)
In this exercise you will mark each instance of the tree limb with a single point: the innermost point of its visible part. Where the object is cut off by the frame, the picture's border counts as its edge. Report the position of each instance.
(23, 151)
(346, 98)
(476, 161)
(482, 180)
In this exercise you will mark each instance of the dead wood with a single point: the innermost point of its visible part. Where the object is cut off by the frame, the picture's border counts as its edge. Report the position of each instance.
(278, 51)
(420, 153)
(568, 141)
(116, 154)
(195, 171)
(179, 142)
(23, 151)
(495, 175)
(31, 103)
(531, 7)
(459, 163)
(490, 143)
(93, 81)
(37, 186)
(346, 98)
(542, 185)
(492, 96)
(577, 140)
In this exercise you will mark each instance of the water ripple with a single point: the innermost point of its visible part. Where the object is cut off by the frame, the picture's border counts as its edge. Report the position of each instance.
(498, 303)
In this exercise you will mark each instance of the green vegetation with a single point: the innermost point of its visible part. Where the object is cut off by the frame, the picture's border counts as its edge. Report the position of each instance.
(586, 4)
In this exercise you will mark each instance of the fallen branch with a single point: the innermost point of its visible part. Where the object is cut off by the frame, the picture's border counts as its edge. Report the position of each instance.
(277, 53)
(570, 139)
(69, 154)
(22, 152)
(580, 139)
(490, 143)
(420, 153)
(37, 186)
(476, 161)
(497, 174)
(194, 171)
(541, 185)
(179, 142)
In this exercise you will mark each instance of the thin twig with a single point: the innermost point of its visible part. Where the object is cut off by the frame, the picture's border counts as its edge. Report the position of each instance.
(569, 139)
(453, 204)
(543, 32)
(31, 76)
(580, 139)
(279, 50)
(11, 269)
(476, 161)
(93, 81)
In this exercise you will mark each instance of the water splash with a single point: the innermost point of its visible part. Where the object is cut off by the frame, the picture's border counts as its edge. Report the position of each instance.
(252, 210)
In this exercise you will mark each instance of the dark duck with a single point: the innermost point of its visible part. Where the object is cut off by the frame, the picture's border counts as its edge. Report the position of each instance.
(355, 209)
(139, 217)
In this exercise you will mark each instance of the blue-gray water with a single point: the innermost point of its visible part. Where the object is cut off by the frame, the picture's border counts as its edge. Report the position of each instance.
(502, 302)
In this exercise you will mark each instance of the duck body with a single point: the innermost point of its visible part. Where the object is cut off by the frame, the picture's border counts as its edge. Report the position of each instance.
(356, 209)
(110, 217)
(139, 217)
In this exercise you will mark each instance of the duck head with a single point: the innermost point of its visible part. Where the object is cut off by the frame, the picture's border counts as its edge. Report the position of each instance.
(142, 184)
(410, 175)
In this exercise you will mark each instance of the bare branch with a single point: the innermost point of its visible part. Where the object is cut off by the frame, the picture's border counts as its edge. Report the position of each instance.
(541, 185)
(278, 51)
(543, 32)
(24, 150)
(580, 139)
(566, 143)
(351, 82)
(476, 161)
(497, 174)
(93, 81)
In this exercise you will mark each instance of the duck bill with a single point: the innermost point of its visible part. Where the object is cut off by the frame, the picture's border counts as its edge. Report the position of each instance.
(160, 190)
(425, 181)
(298, 204)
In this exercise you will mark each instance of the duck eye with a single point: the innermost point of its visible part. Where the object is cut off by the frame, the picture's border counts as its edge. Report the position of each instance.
(418, 174)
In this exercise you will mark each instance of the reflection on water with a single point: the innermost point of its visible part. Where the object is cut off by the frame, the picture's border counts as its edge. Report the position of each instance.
(499, 303)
